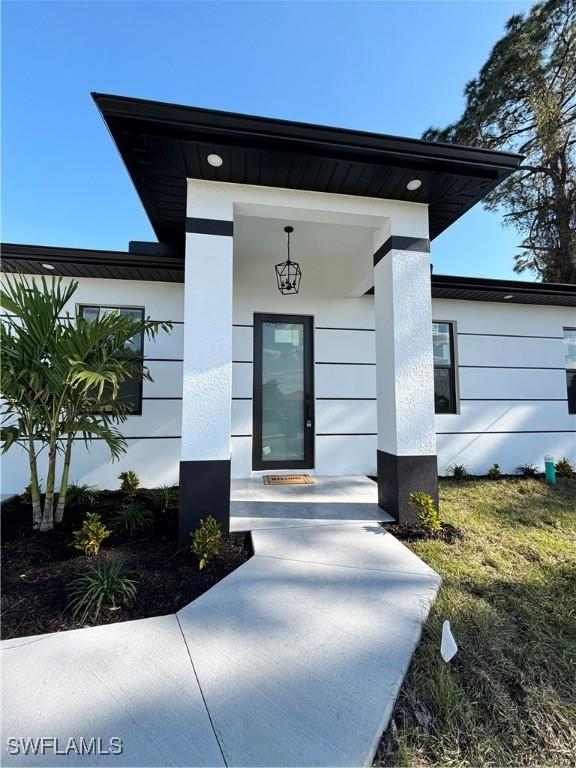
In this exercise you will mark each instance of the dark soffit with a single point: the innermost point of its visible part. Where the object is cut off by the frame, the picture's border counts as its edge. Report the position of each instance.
(83, 262)
(162, 144)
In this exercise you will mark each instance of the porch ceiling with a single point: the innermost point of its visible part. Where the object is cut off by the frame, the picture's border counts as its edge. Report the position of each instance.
(164, 144)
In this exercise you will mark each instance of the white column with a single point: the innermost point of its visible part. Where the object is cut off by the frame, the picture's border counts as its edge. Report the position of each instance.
(207, 374)
(405, 374)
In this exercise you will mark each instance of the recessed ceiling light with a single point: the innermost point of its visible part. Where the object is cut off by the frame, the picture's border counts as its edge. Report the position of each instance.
(48, 266)
(414, 184)
(215, 160)
(509, 296)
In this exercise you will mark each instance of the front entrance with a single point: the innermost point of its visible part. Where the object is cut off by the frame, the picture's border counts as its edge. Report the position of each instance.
(283, 435)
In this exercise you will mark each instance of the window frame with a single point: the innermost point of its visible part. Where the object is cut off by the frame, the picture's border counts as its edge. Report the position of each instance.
(82, 305)
(567, 371)
(453, 368)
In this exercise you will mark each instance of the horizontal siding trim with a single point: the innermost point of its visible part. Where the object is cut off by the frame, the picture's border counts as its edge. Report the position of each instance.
(371, 399)
(514, 432)
(508, 335)
(138, 437)
(514, 399)
(162, 398)
(346, 434)
(516, 367)
(334, 362)
(330, 328)
(163, 359)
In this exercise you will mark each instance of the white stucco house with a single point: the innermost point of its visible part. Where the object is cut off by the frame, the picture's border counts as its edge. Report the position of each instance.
(376, 366)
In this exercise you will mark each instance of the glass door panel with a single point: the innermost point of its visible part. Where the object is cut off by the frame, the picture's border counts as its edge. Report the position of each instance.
(283, 400)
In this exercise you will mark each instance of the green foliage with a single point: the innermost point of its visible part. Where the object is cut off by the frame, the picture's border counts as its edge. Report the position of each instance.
(81, 494)
(527, 470)
(494, 473)
(60, 379)
(132, 517)
(564, 468)
(129, 483)
(428, 514)
(206, 540)
(523, 100)
(26, 495)
(104, 585)
(459, 471)
(163, 498)
(508, 591)
(91, 534)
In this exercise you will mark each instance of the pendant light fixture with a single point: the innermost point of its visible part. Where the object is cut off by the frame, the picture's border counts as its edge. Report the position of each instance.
(288, 273)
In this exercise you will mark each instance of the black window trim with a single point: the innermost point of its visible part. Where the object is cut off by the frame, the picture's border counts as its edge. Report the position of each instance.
(94, 305)
(453, 368)
(569, 371)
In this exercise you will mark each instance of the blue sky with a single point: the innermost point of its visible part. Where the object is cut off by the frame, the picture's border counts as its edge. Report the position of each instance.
(392, 67)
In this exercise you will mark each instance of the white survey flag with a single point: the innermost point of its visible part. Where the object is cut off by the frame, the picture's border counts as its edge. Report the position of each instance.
(448, 645)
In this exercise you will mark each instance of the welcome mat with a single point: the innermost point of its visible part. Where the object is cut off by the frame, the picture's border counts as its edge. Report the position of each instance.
(287, 480)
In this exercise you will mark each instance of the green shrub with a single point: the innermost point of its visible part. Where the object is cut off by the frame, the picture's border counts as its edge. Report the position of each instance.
(81, 495)
(206, 540)
(129, 483)
(104, 585)
(564, 468)
(163, 498)
(90, 536)
(527, 470)
(494, 473)
(26, 495)
(428, 515)
(133, 517)
(459, 471)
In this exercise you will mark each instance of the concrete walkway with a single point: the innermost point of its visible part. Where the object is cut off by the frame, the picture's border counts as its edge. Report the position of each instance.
(294, 659)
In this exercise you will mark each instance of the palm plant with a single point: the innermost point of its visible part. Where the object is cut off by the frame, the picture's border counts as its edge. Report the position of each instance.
(60, 379)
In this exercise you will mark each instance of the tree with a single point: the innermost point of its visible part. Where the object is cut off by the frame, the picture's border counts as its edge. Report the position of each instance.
(60, 379)
(524, 100)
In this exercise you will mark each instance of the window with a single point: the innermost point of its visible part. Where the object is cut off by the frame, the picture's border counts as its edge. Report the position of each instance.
(570, 363)
(130, 391)
(444, 369)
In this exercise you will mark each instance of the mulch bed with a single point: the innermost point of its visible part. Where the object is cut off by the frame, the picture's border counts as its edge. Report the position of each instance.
(449, 533)
(37, 568)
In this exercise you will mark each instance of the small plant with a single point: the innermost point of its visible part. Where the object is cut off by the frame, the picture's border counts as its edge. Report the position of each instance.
(133, 517)
(129, 483)
(90, 536)
(163, 498)
(494, 473)
(428, 514)
(206, 540)
(26, 495)
(564, 468)
(527, 470)
(81, 495)
(459, 471)
(104, 584)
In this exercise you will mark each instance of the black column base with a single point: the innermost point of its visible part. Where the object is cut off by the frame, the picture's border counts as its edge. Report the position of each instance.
(398, 477)
(204, 491)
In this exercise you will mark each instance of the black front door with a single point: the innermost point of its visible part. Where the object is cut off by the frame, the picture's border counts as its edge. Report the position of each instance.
(283, 435)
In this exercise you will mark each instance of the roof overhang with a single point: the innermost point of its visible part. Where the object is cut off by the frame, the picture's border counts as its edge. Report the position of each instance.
(164, 144)
(82, 262)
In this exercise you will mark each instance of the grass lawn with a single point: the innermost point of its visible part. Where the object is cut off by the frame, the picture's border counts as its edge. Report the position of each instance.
(509, 590)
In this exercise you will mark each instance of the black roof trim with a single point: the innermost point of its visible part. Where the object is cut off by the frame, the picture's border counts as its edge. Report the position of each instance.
(233, 123)
(84, 262)
(488, 289)
(163, 144)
